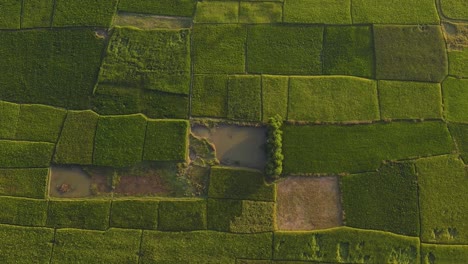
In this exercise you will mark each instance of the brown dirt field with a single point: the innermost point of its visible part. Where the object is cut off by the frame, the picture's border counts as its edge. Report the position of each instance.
(141, 185)
(456, 35)
(308, 203)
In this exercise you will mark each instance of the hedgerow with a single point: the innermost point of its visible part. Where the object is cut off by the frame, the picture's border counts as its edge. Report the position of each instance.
(23, 211)
(9, 114)
(132, 213)
(25, 154)
(83, 214)
(76, 142)
(317, 11)
(245, 97)
(209, 95)
(182, 215)
(30, 183)
(454, 92)
(37, 13)
(166, 140)
(274, 146)
(274, 96)
(160, 7)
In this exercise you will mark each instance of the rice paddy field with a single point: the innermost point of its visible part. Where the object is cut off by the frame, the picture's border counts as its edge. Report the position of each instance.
(234, 131)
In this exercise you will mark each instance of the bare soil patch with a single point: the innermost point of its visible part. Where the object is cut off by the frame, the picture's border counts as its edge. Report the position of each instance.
(308, 203)
(456, 35)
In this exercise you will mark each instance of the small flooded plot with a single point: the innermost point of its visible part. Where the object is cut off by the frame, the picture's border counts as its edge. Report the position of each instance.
(238, 146)
(308, 203)
(145, 21)
(69, 182)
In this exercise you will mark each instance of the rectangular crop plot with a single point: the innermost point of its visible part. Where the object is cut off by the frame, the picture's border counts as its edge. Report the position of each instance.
(160, 7)
(418, 51)
(219, 48)
(182, 215)
(9, 115)
(23, 211)
(156, 104)
(348, 51)
(385, 200)
(25, 154)
(245, 98)
(25, 244)
(357, 148)
(209, 96)
(157, 59)
(166, 140)
(455, 93)
(274, 96)
(76, 142)
(139, 214)
(89, 246)
(444, 253)
(410, 100)
(455, 9)
(11, 14)
(217, 12)
(30, 183)
(115, 100)
(460, 135)
(332, 99)
(443, 184)
(119, 140)
(458, 59)
(84, 13)
(260, 12)
(394, 12)
(40, 123)
(317, 11)
(60, 69)
(284, 49)
(37, 13)
(83, 214)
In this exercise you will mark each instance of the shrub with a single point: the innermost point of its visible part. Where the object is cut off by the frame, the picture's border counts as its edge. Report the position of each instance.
(274, 166)
(83, 214)
(23, 211)
(30, 183)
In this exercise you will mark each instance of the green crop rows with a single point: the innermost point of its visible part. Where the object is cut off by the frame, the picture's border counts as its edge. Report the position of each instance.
(370, 97)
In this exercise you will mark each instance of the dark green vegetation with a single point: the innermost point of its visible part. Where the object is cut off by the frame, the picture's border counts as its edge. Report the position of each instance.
(23, 211)
(395, 12)
(274, 148)
(455, 9)
(83, 13)
(332, 99)
(219, 48)
(348, 51)
(460, 135)
(119, 140)
(209, 96)
(245, 97)
(9, 114)
(431, 253)
(410, 100)
(37, 13)
(30, 245)
(455, 94)
(396, 45)
(60, 69)
(164, 105)
(358, 148)
(83, 214)
(166, 140)
(182, 215)
(76, 142)
(133, 213)
(160, 7)
(11, 14)
(318, 11)
(30, 183)
(274, 96)
(443, 202)
(24, 154)
(110, 99)
(40, 123)
(385, 200)
(217, 12)
(284, 49)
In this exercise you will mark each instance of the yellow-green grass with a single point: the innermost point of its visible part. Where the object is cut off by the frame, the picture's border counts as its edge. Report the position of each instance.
(23, 211)
(119, 140)
(345, 245)
(83, 13)
(182, 215)
(384, 200)
(359, 148)
(9, 115)
(410, 100)
(40, 123)
(156, 104)
(458, 59)
(260, 12)
(274, 96)
(219, 48)
(203, 247)
(317, 11)
(30, 183)
(348, 51)
(209, 96)
(240, 216)
(166, 140)
(11, 14)
(332, 99)
(394, 12)
(443, 184)
(431, 253)
(76, 142)
(25, 244)
(284, 49)
(37, 13)
(217, 12)
(460, 135)
(161, 7)
(60, 69)
(25, 154)
(455, 93)
(455, 9)
(240, 184)
(245, 97)
(157, 59)
(90, 246)
(82, 214)
(115, 100)
(134, 213)
(419, 52)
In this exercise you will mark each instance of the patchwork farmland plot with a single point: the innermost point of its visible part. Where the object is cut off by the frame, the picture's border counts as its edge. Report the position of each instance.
(234, 131)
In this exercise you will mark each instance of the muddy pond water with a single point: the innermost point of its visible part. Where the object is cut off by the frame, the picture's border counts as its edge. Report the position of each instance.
(69, 182)
(238, 146)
